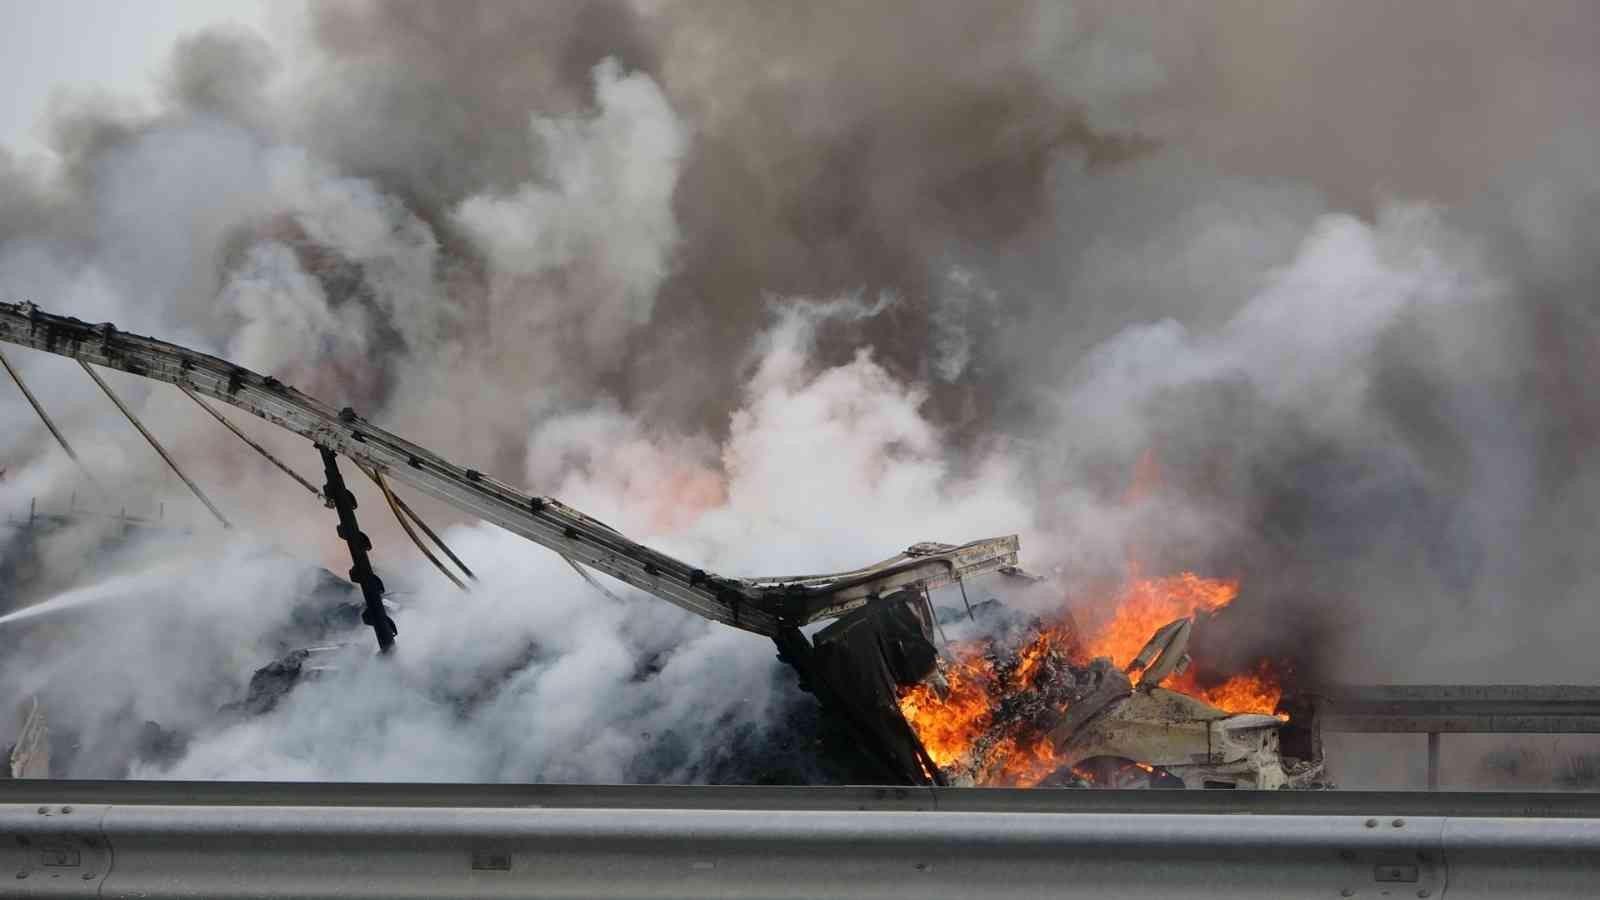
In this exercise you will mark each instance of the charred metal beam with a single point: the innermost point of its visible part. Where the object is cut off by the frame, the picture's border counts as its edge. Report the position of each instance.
(759, 605)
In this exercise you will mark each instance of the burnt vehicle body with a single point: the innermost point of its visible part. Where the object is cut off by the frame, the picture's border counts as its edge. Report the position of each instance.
(1093, 723)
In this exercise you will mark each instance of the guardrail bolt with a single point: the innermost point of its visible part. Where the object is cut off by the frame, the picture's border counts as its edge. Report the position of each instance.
(1372, 823)
(1398, 823)
(1423, 892)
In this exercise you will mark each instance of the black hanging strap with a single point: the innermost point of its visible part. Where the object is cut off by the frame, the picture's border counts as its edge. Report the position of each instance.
(361, 569)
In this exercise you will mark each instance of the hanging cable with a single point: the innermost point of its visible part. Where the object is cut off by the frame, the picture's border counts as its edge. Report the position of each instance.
(54, 431)
(394, 507)
(437, 541)
(399, 506)
(933, 616)
(401, 511)
(593, 582)
(194, 488)
(248, 440)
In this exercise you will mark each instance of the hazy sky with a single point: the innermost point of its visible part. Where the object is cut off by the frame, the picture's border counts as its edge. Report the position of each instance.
(114, 45)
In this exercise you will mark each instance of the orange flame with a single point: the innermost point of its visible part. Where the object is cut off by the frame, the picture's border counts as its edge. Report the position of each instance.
(1255, 691)
(1025, 764)
(1146, 604)
(947, 725)
(953, 723)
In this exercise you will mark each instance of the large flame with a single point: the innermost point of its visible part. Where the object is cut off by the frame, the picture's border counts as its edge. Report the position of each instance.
(952, 719)
(1145, 604)
(1255, 691)
(947, 725)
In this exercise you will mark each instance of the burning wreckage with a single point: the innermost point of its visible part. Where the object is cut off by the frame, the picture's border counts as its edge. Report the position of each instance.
(1044, 703)
(1034, 702)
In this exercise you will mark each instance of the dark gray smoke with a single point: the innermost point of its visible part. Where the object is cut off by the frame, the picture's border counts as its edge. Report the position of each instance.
(1330, 265)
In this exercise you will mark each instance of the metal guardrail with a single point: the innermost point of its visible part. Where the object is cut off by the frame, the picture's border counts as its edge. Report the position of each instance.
(220, 840)
(1461, 708)
(1439, 709)
(1564, 804)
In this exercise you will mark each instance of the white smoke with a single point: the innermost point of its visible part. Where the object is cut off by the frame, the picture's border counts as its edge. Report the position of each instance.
(534, 675)
(579, 246)
(576, 259)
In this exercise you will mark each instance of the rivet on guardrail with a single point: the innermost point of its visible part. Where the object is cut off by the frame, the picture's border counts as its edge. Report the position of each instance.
(1372, 823)
(1398, 823)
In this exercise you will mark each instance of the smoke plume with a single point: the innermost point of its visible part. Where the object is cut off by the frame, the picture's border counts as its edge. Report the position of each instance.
(786, 287)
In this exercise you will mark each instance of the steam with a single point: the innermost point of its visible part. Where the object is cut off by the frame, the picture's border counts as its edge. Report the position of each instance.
(785, 290)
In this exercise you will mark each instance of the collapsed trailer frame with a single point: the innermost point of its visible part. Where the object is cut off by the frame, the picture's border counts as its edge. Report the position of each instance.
(775, 607)
(762, 605)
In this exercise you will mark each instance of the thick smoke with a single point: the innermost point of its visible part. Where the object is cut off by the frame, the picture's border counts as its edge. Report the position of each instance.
(787, 287)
